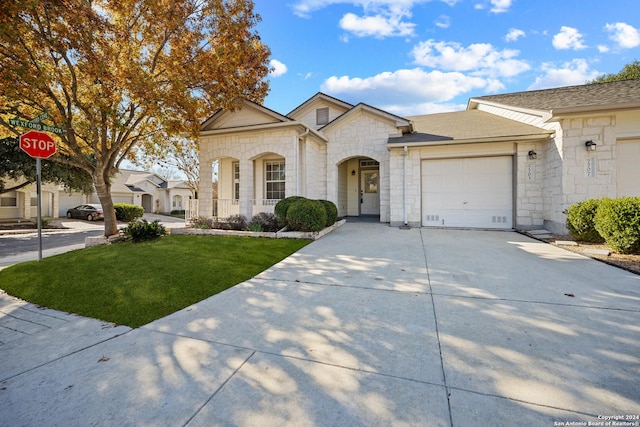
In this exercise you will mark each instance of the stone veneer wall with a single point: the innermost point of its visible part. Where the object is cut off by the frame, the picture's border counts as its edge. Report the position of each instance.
(585, 174)
(364, 135)
(246, 147)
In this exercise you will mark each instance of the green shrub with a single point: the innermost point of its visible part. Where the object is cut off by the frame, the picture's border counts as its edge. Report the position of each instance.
(618, 222)
(234, 222)
(263, 222)
(139, 231)
(202, 222)
(177, 212)
(128, 212)
(580, 223)
(282, 207)
(331, 210)
(306, 215)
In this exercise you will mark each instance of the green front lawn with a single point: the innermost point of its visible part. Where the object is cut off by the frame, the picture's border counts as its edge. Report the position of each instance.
(134, 284)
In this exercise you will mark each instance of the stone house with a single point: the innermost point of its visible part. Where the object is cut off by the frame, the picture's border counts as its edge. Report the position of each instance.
(140, 188)
(511, 161)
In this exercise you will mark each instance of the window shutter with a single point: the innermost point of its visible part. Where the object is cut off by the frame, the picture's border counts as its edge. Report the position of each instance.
(322, 116)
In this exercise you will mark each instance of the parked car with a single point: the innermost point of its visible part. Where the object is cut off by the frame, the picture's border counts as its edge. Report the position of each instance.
(88, 212)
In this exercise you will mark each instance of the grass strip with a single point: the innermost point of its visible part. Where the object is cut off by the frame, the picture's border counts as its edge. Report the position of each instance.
(134, 284)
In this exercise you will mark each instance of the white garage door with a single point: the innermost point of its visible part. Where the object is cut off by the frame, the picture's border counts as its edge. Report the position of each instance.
(628, 170)
(473, 192)
(68, 201)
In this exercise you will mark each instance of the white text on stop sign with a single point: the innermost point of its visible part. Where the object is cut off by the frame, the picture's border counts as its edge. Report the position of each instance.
(38, 144)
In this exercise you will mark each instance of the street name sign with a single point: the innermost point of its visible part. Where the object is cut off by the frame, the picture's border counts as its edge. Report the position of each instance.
(36, 126)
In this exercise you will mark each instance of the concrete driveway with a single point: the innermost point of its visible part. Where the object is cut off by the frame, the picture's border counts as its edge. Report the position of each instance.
(369, 325)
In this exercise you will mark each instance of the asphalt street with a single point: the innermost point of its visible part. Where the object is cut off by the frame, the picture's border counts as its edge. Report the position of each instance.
(17, 244)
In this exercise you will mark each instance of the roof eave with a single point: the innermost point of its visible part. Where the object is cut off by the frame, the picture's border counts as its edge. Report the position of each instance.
(266, 126)
(544, 114)
(561, 113)
(510, 138)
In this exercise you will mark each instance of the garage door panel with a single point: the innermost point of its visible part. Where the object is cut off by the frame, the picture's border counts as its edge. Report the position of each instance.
(628, 179)
(470, 192)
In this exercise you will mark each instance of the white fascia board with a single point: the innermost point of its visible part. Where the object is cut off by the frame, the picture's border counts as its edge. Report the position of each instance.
(267, 126)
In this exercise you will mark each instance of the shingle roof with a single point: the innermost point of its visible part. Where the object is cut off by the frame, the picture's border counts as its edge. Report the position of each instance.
(465, 125)
(593, 95)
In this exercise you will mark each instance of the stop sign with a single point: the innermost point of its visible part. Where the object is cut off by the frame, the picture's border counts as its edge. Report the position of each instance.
(37, 144)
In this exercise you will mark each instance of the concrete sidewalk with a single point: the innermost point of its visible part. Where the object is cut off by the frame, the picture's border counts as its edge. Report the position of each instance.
(369, 325)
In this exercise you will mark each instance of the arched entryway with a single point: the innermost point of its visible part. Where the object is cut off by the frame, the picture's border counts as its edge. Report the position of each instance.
(147, 203)
(359, 187)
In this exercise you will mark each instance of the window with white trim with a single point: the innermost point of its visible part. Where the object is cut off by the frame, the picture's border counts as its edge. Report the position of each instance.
(236, 180)
(322, 116)
(177, 202)
(9, 200)
(275, 179)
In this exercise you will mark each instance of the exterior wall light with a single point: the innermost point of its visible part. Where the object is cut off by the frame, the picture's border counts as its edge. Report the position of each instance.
(353, 172)
(533, 155)
(591, 146)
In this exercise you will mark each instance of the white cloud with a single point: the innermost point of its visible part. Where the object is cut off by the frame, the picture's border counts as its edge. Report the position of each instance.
(407, 87)
(443, 21)
(304, 8)
(381, 18)
(480, 58)
(514, 34)
(603, 48)
(624, 35)
(278, 68)
(568, 38)
(377, 26)
(571, 73)
(500, 6)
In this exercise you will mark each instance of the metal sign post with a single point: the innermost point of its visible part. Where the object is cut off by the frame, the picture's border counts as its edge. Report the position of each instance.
(39, 190)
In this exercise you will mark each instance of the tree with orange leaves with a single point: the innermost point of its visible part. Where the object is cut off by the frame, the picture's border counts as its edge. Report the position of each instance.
(119, 74)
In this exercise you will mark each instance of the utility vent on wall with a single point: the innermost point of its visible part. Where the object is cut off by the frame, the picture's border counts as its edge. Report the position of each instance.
(499, 219)
(433, 218)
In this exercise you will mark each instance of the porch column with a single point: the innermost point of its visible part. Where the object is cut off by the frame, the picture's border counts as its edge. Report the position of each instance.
(55, 203)
(246, 188)
(24, 203)
(205, 193)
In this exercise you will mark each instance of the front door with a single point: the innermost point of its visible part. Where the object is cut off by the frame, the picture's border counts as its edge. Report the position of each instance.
(370, 192)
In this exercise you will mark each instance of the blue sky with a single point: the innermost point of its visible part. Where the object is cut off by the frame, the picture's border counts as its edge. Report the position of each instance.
(425, 56)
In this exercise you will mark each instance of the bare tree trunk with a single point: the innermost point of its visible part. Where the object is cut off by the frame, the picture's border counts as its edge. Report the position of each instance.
(103, 189)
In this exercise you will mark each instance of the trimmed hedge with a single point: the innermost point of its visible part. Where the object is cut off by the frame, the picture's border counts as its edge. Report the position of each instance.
(281, 208)
(580, 221)
(128, 212)
(306, 215)
(331, 210)
(618, 222)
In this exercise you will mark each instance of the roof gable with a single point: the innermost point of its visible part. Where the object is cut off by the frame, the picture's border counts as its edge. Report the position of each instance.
(308, 112)
(400, 122)
(320, 100)
(248, 114)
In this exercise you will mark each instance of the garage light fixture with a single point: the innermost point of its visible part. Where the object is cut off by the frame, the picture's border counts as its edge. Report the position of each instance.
(591, 146)
(533, 155)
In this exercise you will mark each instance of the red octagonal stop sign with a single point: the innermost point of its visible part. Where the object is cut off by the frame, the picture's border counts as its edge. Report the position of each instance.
(37, 144)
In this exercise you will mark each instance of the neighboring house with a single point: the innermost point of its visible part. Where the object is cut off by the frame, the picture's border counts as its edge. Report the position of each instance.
(145, 189)
(509, 161)
(23, 203)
